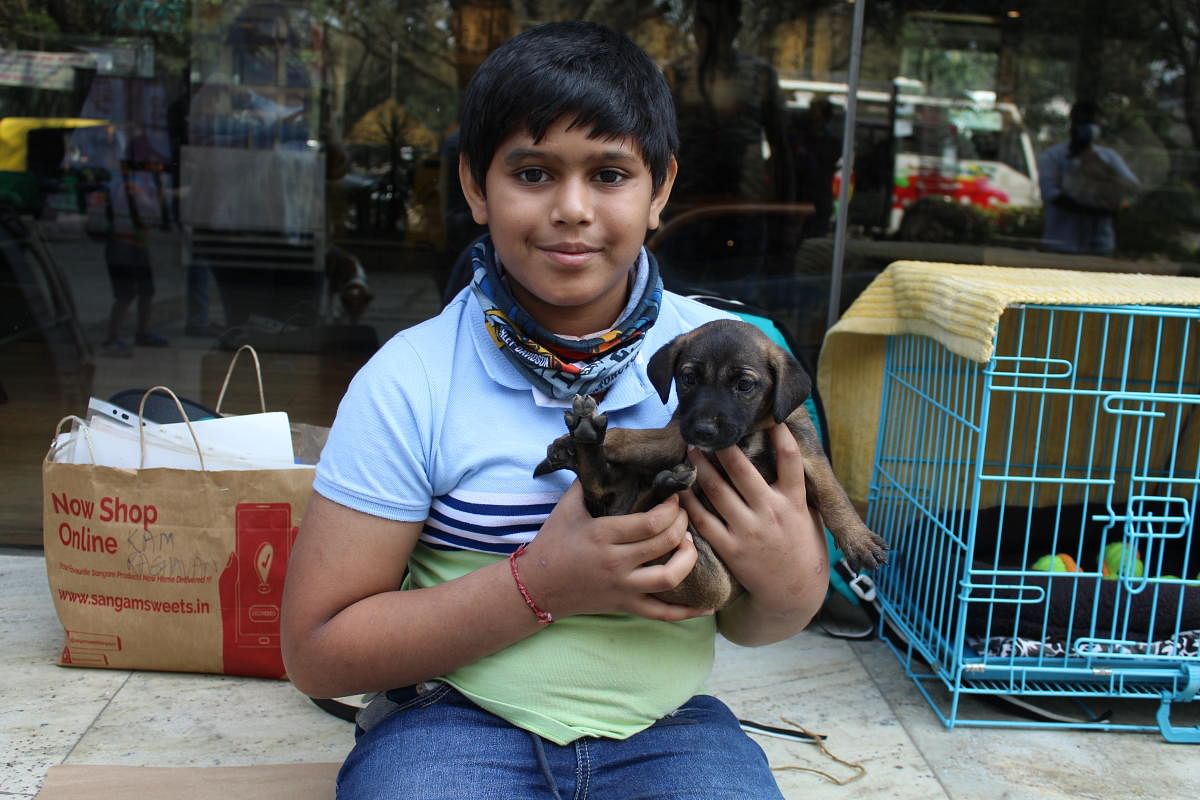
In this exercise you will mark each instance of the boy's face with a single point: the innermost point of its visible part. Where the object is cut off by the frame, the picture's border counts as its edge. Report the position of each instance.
(567, 217)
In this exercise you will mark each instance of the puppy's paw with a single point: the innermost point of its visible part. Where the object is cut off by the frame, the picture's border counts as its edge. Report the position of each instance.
(585, 425)
(864, 551)
(680, 477)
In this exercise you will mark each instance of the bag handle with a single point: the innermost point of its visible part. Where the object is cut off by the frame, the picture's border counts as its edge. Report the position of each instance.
(262, 400)
(87, 435)
(182, 414)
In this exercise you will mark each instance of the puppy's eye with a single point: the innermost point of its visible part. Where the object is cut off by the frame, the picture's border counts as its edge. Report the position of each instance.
(687, 379)
(745, 384)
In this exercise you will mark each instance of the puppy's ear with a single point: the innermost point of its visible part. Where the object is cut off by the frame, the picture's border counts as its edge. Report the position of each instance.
(792, 384)
(661, 368)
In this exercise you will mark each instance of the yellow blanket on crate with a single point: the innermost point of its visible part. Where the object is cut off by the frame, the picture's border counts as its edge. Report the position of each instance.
(959, 306)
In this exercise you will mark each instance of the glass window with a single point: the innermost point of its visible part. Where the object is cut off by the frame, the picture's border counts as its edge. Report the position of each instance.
(178, 179)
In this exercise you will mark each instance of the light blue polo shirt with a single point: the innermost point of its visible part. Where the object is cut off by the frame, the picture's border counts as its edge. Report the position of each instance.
(439, 427)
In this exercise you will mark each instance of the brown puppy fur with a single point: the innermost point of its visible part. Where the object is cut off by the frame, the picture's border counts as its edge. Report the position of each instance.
(733, 383)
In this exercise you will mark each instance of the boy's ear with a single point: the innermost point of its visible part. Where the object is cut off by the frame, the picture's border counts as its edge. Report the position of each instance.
(476, 197)
(659, 200)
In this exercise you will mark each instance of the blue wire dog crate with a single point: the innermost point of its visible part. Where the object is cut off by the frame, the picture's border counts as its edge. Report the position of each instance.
(1041, 509)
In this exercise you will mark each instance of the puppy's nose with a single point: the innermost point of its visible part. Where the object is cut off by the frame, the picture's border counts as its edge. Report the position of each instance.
(704, 431)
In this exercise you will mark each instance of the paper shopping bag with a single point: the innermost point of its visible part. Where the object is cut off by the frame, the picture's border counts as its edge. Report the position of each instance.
(168, 568)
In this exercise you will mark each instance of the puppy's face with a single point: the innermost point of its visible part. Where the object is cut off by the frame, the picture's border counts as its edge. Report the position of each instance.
(730, 379)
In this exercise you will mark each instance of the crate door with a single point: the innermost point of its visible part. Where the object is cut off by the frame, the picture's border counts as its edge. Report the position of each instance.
(1090, 461)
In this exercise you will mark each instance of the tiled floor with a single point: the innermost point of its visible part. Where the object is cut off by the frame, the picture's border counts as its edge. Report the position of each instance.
(856, 694)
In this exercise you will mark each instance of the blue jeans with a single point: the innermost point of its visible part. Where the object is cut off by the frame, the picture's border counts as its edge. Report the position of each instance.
(437, 745)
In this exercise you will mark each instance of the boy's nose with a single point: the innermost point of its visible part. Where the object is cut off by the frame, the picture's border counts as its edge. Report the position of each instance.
(572, 203)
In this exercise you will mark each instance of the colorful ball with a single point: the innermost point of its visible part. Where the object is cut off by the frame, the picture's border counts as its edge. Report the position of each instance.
(1055, 563)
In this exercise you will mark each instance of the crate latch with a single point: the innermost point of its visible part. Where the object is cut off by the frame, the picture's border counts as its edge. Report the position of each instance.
(1191, 686)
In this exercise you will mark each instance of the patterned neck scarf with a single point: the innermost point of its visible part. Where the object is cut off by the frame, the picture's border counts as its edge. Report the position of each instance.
(564, 366)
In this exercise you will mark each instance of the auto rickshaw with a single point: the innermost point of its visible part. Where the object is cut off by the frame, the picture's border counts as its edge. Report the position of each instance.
(32, 150)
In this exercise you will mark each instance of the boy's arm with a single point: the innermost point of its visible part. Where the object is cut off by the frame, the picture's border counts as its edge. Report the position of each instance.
(768, 537)
(346, 627)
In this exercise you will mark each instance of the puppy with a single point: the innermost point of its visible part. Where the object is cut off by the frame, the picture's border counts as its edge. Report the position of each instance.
(733, 383)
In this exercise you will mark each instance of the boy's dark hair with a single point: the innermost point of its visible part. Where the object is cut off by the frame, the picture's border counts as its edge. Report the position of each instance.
(579, 70)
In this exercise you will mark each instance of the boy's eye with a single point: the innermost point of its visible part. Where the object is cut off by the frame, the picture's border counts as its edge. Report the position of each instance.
(610, 176)
(532, 175)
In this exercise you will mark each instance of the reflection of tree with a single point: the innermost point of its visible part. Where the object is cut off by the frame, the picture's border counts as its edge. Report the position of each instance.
(28, 23)
(1175, 32)
(404, 48)
(950, 65)
(1142, 62)
(390, 125)
(624, 15)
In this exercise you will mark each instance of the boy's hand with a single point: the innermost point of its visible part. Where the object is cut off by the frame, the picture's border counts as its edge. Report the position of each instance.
(578, 564)
(766, 534)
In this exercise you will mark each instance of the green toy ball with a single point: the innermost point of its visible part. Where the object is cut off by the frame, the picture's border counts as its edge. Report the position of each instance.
(1055, 563)
(1114, 563)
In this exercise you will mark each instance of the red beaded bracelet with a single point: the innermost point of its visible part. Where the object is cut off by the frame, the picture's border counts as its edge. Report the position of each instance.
(543, 617)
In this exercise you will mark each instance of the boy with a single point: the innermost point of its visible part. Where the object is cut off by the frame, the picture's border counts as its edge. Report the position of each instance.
(553, 672)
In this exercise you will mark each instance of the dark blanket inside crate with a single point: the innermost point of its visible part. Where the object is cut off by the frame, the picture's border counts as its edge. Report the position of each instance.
(1076, 607)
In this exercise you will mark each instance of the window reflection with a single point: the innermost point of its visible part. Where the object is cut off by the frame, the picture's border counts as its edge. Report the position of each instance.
(182, 178)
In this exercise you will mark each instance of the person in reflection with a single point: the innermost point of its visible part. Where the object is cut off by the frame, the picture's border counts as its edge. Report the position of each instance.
(515, 640)
(130, 203)
(817, 147)
(732, 136)
(1083, 186)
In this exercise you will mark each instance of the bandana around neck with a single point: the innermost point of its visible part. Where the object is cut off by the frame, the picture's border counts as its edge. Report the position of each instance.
(564, 366)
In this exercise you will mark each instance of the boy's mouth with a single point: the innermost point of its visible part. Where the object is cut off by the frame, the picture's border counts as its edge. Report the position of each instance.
(570, 253)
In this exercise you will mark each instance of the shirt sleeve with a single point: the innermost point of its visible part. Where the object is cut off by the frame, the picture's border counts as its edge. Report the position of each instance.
(377, 457)
(1114, 160)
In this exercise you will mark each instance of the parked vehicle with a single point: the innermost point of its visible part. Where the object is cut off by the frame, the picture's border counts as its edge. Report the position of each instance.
(32, 150)
(971, 150)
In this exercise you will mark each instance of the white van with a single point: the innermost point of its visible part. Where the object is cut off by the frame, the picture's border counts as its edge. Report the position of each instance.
(908, 146)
